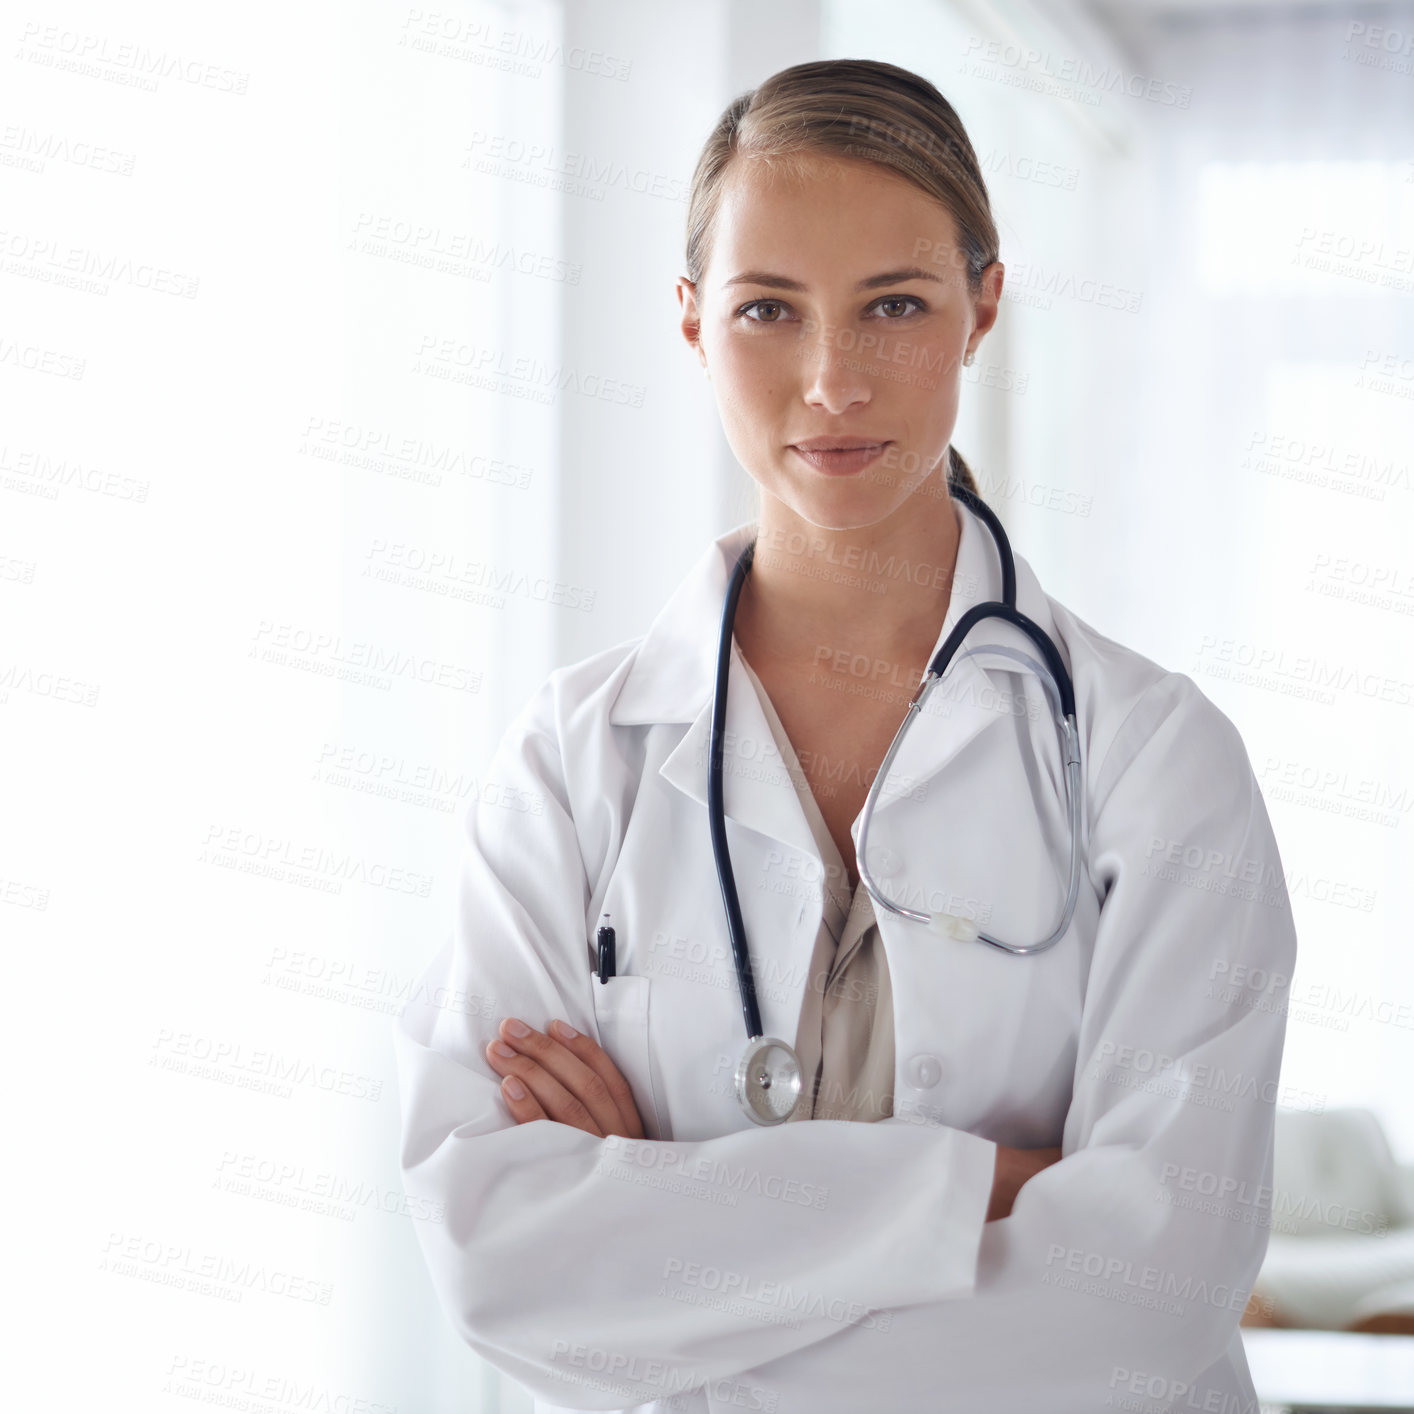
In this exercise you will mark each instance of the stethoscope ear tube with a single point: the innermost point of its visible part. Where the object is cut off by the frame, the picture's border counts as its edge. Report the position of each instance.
(945, 924)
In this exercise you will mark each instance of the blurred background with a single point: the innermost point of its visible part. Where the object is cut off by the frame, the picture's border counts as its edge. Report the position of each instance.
(342, 398)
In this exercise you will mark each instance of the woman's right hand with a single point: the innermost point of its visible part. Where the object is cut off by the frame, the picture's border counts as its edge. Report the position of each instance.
(1014, 1167)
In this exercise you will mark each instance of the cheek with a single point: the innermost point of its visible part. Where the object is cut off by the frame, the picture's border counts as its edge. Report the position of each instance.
(761, 355)
(927, 364)
(753, 373)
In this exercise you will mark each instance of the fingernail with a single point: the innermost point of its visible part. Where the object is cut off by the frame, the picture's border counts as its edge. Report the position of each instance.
(517, 1028)
(564, 1029)
(502, 1049)
(514, 1088)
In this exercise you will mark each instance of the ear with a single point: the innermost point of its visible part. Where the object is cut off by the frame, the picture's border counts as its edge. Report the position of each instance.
(986, 304)
(691, 318)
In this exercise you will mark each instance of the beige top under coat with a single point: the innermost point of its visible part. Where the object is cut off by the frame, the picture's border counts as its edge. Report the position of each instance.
(845, 1039)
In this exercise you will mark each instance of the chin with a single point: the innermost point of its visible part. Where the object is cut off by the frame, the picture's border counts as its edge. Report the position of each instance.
(847, 505)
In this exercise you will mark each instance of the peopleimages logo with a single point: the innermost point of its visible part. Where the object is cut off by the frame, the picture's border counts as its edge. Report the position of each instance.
(1036, 65)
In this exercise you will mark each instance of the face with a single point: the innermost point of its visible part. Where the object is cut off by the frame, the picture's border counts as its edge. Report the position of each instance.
(834, 311)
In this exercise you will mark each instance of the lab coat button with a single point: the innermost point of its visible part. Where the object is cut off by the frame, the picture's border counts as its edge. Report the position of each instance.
(924, 1072)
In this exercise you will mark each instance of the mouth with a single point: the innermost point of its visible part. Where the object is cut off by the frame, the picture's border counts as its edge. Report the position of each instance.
(838, 456)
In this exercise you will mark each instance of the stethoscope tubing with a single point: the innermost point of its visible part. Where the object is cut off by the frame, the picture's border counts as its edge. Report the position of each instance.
(1004, 609)
(716, 806)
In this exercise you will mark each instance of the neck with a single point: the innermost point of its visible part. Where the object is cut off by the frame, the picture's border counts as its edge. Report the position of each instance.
(882, 589)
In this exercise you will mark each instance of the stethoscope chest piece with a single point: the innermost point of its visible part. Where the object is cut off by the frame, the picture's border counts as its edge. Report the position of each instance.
(768, 1080)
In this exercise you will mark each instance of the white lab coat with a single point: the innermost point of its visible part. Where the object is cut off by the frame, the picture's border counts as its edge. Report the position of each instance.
(837, 1266)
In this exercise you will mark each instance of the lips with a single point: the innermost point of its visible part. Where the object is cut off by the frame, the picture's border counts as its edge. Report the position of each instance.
(837, 444)
(839, 456)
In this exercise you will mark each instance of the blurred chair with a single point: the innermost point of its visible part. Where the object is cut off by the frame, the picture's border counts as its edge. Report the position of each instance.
(1341, 1252)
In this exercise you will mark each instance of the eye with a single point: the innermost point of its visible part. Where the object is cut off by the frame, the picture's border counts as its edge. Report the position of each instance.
(774, 311)
(901, 299)
(769, 304)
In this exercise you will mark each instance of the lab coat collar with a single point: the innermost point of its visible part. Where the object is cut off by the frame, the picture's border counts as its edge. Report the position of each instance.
(673, 678)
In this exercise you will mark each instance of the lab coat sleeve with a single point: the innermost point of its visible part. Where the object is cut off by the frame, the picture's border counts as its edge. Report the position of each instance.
(579, 1265)
(1124, 1268)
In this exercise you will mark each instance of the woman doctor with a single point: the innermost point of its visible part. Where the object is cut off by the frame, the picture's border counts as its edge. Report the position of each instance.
(995, 1204)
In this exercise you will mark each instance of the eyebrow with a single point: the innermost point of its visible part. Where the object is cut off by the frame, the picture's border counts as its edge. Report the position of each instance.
(871, 282)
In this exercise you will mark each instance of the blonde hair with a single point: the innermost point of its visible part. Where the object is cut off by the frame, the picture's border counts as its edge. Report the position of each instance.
(860, 108)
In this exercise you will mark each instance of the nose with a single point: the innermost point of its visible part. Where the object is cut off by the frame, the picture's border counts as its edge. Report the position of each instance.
(835, 379)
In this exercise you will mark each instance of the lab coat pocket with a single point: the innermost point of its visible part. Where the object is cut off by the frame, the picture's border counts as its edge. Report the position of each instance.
(621, 1015)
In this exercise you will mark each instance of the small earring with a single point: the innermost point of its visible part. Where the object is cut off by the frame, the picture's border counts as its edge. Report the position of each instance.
(968, 360)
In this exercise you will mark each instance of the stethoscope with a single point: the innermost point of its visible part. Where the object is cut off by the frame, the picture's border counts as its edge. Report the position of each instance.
(768, 1078)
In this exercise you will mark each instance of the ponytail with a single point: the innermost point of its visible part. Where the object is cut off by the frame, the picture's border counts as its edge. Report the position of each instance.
(959, 473)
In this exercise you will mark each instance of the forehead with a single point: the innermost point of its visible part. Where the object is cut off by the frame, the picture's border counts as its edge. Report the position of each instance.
(824, 212)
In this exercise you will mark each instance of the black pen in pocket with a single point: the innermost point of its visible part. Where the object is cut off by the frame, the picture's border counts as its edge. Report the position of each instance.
(606, 951)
